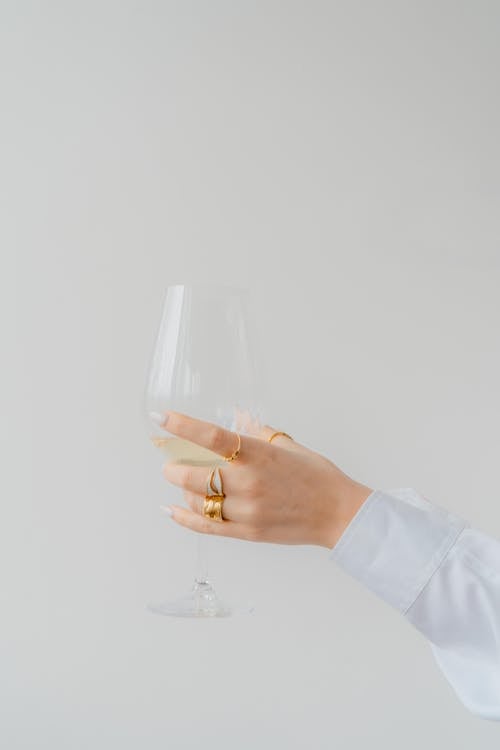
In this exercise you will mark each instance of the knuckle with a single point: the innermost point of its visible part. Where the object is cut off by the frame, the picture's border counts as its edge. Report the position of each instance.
(252, 510)
(207, 527)
(174, 422)
(265, 431)
(254, 485)
(190, 500)
(215, 439)
(185, 476)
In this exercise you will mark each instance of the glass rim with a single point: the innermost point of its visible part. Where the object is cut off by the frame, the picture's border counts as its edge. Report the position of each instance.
(210, 285)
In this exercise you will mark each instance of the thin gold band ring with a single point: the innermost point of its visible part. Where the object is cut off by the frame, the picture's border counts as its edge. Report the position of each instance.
(236, 453)
(275, 434)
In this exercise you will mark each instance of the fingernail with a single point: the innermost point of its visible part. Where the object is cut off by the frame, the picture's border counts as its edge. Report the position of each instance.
(160, 419)
(167, 509)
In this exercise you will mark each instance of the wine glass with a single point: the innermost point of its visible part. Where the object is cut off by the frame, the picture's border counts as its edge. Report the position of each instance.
(202, 365)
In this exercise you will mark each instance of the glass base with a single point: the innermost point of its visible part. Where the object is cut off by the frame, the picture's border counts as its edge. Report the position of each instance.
(202, 601)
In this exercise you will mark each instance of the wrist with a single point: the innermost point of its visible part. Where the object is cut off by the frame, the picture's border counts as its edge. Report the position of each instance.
(343, 506)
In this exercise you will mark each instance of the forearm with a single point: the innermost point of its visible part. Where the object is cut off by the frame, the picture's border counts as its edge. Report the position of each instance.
(442, 576)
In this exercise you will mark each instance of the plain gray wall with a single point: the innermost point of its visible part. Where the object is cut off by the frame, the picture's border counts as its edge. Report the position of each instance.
(342, 158)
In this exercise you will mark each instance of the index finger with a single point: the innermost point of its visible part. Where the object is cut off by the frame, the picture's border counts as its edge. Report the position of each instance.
(207, 434)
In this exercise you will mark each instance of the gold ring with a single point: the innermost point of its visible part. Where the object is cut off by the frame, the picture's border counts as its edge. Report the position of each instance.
(236, 453)
(275, 434)
(212, 507)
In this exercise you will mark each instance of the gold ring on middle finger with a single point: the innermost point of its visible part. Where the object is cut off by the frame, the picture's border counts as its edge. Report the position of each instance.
(214, 497)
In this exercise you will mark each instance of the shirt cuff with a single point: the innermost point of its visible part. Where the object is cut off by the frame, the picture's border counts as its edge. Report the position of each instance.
(395, 543)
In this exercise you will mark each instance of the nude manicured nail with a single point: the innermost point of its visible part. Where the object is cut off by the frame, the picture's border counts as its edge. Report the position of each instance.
(167, 509)
(160, 419)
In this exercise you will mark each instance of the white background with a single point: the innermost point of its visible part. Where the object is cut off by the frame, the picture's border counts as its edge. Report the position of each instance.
(343, 159)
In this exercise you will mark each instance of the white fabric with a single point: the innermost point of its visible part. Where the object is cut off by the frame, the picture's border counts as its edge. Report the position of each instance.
(444, 578)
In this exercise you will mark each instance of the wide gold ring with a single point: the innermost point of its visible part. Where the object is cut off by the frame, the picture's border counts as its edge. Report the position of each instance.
(212, 507)
(275, 434)
(235, 453)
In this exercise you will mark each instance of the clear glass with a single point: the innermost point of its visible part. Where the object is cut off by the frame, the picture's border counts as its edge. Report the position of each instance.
(203, 364)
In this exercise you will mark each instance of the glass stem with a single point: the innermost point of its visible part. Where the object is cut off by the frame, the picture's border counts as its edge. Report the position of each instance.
(201, 573)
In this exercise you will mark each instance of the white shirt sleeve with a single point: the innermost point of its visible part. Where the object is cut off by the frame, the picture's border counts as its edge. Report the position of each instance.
(444, 578)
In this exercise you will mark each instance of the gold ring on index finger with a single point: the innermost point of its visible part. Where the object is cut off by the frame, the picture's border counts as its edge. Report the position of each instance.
(234, 455)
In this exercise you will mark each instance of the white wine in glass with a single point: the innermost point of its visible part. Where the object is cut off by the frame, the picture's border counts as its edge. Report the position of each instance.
(203, 365)
(185, 452)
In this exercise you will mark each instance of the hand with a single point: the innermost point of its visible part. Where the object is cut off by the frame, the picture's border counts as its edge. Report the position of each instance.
(279, 492)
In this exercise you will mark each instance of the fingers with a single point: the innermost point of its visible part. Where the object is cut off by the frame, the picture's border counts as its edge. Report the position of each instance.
(208, 435)
(205, 525)
(225, 442)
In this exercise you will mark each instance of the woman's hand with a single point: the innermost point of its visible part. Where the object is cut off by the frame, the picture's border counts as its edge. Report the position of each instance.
(278, 492)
